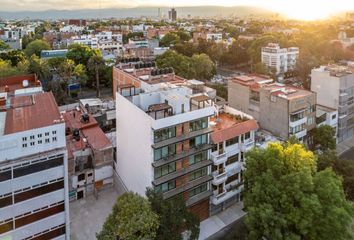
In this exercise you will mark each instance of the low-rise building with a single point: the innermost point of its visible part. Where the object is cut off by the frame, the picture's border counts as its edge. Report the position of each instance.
(208, 36)
(281, 109)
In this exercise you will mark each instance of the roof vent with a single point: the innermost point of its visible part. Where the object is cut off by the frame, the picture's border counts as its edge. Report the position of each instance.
(7, 89)
(76, 134)
(85, 118)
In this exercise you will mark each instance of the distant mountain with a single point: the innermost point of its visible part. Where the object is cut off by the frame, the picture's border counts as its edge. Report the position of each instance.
(201, 11)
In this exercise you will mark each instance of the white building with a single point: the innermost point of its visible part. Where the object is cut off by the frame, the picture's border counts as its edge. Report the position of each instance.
(233, 135)
(282, 59)
(217, 37)
(334, 86)
(33, 167)
(327, 116)
(88, 40)
(72, 28)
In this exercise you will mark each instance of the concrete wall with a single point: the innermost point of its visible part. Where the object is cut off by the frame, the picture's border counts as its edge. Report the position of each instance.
(238, 98)
(134, 152)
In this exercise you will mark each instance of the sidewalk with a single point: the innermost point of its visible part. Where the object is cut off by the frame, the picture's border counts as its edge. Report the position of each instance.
(345, 146)
(216, 223)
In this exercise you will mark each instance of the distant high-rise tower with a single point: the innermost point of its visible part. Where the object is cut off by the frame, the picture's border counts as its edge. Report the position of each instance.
(159, 15)
(172, 14)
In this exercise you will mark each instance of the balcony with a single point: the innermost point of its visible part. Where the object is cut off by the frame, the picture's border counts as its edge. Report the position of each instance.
(218, 158)
(298, 122)
(219, 178)
(216, 199)
(247, 145)
(301, 134)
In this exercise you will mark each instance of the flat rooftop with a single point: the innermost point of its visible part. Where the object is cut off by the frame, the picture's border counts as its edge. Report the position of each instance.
(228, 126)
(30, 112)
(255, 81)
(16, 83)
(287, 91)
(336, 70)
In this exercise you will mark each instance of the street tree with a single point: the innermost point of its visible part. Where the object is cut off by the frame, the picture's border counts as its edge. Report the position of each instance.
(96, 64)
(203, 66)
(15, 56)
(174, 217)
(170, 39)
(324, 137)
(80, 53)
(286, 198)
(35, 47)
(131, 219)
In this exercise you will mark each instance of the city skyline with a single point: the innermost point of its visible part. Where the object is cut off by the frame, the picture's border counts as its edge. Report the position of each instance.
(302, 10)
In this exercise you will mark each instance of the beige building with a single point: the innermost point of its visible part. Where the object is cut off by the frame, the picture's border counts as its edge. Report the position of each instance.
(281, 109)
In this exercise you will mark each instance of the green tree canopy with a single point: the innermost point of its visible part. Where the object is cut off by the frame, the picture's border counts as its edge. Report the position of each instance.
(131, 219)
(15, 56)
(35, 47)
(324, 137)
(174, 217)
(3, 45)
(7, 70)
(287, 199)
(81, 53)
(203, 66)
(170, 39)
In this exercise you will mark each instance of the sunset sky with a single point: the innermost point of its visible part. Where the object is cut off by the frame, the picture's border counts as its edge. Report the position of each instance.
(300, 9)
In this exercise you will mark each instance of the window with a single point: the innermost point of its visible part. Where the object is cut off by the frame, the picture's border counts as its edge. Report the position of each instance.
(334, 116)
(198, 124)
(232, 141)
(39, 135)
(54, 132)
(164, 134)
(54, 139)
(24, 145)
(198, 174)
(24, 139)
(32, 143)
(39, 141)
(47, 140)
(201, 188)
(81, 177)
(197, 141)
(296, 117)
(37, 167)
(32, 137)
(164, 170)
(166, 186)
(193, 159)
(247, 135)
(310, 121)
(164, 152)
(46, 134)
(231, 178)
(232, 159)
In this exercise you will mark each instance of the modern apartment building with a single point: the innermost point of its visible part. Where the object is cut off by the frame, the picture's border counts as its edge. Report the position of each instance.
(334, 86)
(280, 109)
(208, 36)
(163, 128)
(33, 165)
(282, 59)
(233, 135)
(172, 15)
(90, 154)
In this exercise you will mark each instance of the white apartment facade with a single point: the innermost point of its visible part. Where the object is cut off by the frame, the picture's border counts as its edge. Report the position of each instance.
(33, 170)
(282, 59)
(334, 86)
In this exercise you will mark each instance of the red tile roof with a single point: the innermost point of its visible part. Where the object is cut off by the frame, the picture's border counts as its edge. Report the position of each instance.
(224, 134)
(29, 112)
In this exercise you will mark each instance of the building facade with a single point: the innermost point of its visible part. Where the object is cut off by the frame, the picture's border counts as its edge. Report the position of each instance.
(334, 86)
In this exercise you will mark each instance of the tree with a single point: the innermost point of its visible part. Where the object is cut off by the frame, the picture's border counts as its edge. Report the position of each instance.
(6, 70)
(261, 68)
(15, 56)
(3, 45)
(324, 137)
(184, 36)
(287, 199)
(96, 63)
(131, 219)
(170, 39)
(36, 47)
(174, 217)
(203, 66)
(80, 53)
(39, 67)
(345, 168)
(180, 63)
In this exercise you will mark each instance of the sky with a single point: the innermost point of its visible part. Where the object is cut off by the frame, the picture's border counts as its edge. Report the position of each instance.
(300, 9)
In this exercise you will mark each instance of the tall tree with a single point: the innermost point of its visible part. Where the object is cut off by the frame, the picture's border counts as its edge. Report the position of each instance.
(80, 53)
(170, 39)
(3, 46)
(174, 217)
(96, 63)
(36, 47)
(15, 56)
(203, 66)
(324, 137)
(131, 219)
(287, 199)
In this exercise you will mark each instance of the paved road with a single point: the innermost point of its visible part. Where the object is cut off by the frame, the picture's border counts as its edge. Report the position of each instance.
(234, 231)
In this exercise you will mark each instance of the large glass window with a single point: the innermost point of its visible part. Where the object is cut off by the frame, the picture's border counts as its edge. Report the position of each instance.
(198, 174)
(164, 170)
(201, 188)
(199, 140)
(37, 167)
(231, 178)
(164, 134)
(296, 117)
(165, 151)
(232, 141)
(198, 124)
(232, 159)
(166, 186)
(193, 159)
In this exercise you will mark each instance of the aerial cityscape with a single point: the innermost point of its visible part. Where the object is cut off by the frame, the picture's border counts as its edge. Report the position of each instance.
(186, 120)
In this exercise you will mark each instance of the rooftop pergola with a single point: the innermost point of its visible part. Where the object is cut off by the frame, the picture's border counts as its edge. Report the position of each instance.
(200, 100)
(160, 107)
(129, 86)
